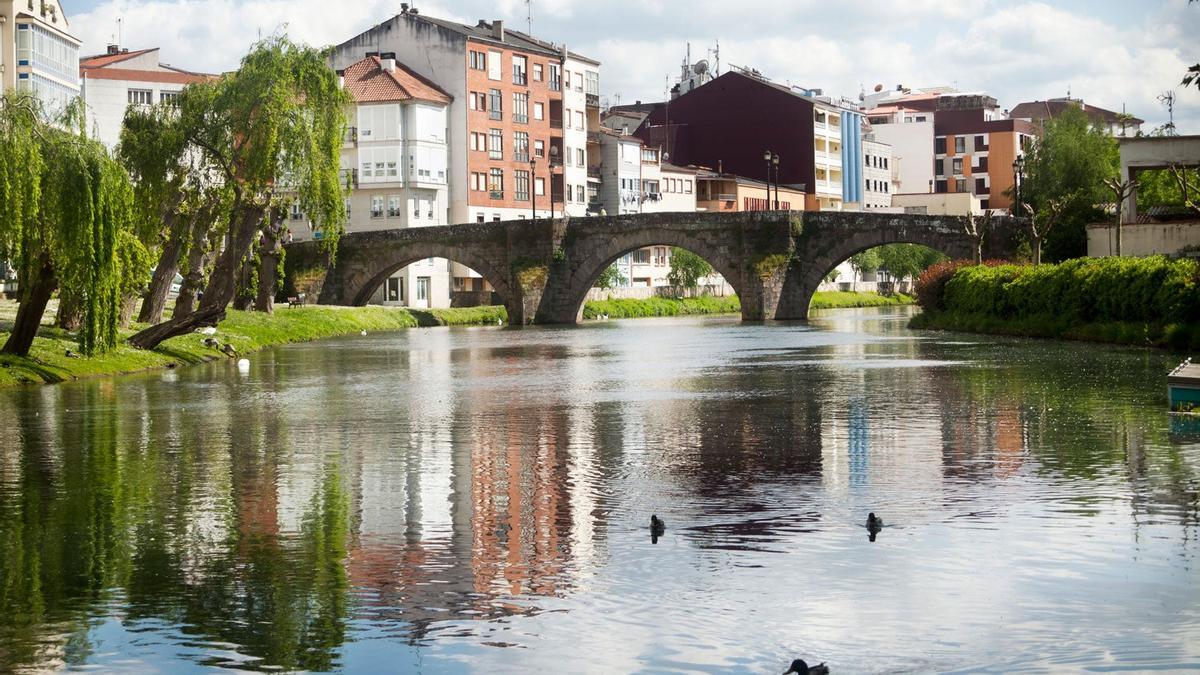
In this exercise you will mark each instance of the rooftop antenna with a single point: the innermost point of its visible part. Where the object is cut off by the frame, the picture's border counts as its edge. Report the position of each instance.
(119, 19)
(1168, 99)
(717, 59)
(529, 16)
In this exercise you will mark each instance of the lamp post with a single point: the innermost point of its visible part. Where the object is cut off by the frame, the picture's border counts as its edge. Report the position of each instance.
(769, 157)
(550, 175)
(1018, 173)
(775, 161)
(533, 187)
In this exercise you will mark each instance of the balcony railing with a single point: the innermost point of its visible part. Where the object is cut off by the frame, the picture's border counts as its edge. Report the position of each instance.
(522, 157)
(348, 177)
(351, 136)
(556, 123)
(593, 172)
(726, 197)
(593, 137)
(494, 114)
(520, 78)
(496, 194)
(593, 100)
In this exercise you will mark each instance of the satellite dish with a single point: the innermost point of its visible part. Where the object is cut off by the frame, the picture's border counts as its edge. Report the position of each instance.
(878, 88)
(700, 67)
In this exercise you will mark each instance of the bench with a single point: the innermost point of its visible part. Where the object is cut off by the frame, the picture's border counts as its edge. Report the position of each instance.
(297, 300)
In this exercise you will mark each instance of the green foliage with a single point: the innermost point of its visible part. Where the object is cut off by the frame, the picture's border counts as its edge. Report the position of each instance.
(634, 308)
(905, 261)
(866, 261)
(134, 263)
(847, 299)
(63, 201)
(687, 269)
(766, 266)
(1069, 164)
(611, 278)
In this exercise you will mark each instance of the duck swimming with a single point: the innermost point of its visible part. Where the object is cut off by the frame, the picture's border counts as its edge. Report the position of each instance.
(874, 524)
(657, 526)
(799, 666)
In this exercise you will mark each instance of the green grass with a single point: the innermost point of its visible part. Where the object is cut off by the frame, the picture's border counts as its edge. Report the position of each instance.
(246, 331)
(842, 299)
(1177, 336)
(635, 309)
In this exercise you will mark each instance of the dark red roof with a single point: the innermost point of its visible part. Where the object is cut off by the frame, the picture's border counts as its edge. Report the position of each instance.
(367, 82)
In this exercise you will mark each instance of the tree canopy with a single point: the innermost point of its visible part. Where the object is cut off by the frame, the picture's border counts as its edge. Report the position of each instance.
(687, 269)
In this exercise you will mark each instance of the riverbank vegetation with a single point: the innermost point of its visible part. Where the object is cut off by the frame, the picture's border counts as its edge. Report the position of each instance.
(1139, 301)
(48, 360)
(629, 308)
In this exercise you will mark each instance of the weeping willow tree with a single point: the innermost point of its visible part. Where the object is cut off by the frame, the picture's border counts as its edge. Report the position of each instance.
(63, 203)
(273, 132)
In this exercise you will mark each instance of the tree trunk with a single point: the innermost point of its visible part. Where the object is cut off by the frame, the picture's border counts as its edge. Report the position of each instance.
(164, 273)
(70, 311)
(128, 306)
(34, 298)
(269, 262)
(222, 283)
(1037, 250)
(243, 298)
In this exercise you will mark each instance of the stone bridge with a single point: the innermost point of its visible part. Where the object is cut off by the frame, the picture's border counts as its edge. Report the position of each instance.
(542, 269)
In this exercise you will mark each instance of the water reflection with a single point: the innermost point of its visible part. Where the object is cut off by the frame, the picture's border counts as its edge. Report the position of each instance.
(430, 497)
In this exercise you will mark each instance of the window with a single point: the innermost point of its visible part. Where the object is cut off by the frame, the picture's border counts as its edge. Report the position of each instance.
(537, 72)
(520, 113)
(650, 187)
(579, 120)
(579, 193)
(521, 146)
(569, 192)
(393, 206)
(494, 62)
(981, 186)
(580, 157)
(960, 144)
(566, 80)
(641, 257)
(297, 214)
(169, 97)
(985, 204)
(478, 60)
(687, 187)
(539, 111)
(960, 185)
(495, 144)
(539, 186)
(140, 97)
(478, 181)
(649, 155)
(539, 149)
(496, 107)
(555, 81)
(981, 143)
(920, 118)
(593, 83)
(983, 164)
(939, 146)
(346, 202)
(819, 116)
(496, 183)
(567, 156)
(885, 162)
(422, 288)
(478, 101)
(521, 185)
(957, 166)
(478, 141)
(518, 68)
(567, 117)
(376, 207)
(478, 219)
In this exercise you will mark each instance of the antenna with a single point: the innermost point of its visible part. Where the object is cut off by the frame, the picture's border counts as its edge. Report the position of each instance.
(119, 20)
(529, 16)
(717, 59)
(1168, 99)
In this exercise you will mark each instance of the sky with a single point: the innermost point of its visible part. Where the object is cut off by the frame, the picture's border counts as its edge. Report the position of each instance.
(1110, 54)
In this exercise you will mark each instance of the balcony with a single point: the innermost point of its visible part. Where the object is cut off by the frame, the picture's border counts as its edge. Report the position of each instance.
(593, 172)
(593, 100)
(593, 137)
(348, 177)
(556, 122)
(496, 194)
(351, 136)
(727, 197)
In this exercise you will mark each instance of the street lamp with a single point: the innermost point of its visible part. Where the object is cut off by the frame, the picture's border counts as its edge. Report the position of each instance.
(533, 186)
(775, 161)
(1018, 172)
(768, 156)
(553, 156)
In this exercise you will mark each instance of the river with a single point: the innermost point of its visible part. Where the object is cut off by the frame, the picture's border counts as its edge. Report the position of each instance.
(478, 500)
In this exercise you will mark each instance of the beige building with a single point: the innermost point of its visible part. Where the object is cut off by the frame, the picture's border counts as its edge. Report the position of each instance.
(939, 203)
(38, 53)
(727, 192)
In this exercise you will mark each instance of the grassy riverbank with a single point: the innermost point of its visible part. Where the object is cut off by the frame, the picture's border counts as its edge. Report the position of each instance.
(621, 308)
(246, 331)
(1136, 301)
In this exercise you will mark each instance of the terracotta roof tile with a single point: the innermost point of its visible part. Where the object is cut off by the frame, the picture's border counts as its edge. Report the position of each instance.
(102, 60)
(367, 82)
(132, 75)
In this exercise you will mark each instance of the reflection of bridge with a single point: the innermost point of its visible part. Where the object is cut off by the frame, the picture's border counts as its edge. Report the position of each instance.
(543, 269)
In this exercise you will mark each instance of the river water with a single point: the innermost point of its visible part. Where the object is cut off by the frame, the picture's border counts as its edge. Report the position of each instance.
(477, 500)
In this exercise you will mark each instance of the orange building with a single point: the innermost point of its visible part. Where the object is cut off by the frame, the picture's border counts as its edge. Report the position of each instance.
(974, 148)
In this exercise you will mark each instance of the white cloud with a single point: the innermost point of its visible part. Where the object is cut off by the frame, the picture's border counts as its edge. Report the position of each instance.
(1016, 52)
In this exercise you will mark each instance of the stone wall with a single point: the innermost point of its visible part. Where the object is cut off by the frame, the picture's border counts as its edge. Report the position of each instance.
(1143, 239)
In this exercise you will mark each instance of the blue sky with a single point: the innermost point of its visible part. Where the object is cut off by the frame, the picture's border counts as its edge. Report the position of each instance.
(1108, 53)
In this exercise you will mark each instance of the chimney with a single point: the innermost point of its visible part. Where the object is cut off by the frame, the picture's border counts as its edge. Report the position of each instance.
(498, 30)
(388, 61)
(113, 49)
(404, 8)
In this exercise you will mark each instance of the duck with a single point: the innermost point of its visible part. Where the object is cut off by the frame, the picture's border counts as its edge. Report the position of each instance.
(657, 526)
(211, 342)
(363, 332)
(229, 349)
(71, 355)
(874, 524)
(799, 666)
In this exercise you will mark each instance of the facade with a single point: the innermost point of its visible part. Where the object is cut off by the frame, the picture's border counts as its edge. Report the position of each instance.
(729, 123)
(395, 157)
(38, 53)
(119, 78)
(507, 118)
(909, 132)
(1116, 124)
(879, 173)
(620, 171)
(729, 192)
(938, 203)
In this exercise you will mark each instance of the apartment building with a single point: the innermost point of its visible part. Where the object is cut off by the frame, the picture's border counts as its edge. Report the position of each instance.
(909, 133)
(974, 148)
(507, 115)
(732, 120)
(38, 52)
(113, 81)
(1116, 124)
(718, 191)
(620, 173)
(879, 174)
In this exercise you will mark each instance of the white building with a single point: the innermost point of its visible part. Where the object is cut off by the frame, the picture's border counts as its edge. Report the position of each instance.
(580, 114)
(395, 157)
(38, 53)
(620, 173)
(878, 172)
(827, 157)
(119, 78)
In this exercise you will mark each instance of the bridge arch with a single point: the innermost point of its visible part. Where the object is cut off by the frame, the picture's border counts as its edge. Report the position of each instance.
(373, 272)
(591, 265)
